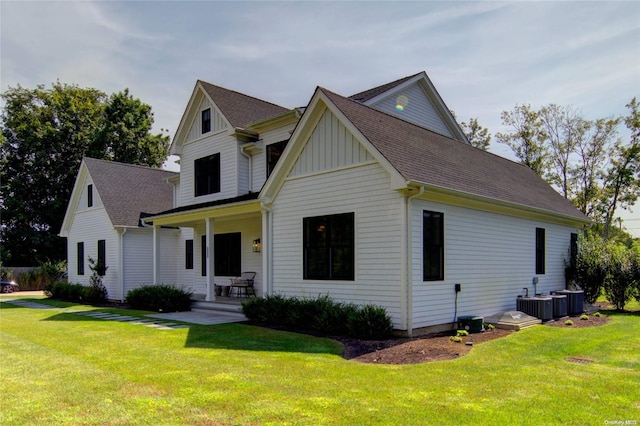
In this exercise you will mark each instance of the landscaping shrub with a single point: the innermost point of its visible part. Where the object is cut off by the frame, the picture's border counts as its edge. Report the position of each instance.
(590, 271)
(370, 322)
(321, 314)
(66, 291)
(619, 286)
(45, 274)
(160, 298)
(96, 292)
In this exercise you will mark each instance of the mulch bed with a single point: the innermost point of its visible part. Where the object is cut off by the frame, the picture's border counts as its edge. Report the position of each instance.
(438, 347)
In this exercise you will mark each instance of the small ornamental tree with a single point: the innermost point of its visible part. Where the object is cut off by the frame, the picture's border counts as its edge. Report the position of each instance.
(96, 292)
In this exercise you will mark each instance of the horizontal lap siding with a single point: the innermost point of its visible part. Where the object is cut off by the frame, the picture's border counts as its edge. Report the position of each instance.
(221, 143)
(89, 226)
(260, 160)
(419, 109)
(491, 255)
(365, 191)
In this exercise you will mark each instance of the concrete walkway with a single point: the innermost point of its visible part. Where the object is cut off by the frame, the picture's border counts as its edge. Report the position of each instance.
(196, 316)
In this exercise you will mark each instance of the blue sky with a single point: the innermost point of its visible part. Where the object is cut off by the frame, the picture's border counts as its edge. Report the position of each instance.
(483, 57)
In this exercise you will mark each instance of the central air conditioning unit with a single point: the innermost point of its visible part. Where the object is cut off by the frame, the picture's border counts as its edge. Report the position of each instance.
(575, 301)
(539, 307)
(559, 305)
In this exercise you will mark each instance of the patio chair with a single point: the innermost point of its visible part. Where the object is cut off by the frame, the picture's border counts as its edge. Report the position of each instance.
(244, 281)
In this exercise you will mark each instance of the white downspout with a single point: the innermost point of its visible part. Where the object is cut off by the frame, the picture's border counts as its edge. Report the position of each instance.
(408, 249)
(250, 158)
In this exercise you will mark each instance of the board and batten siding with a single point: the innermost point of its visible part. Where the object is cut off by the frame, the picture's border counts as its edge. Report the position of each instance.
(217, 121)
(221, 142)
(491, 255)
(419, 109)
(363, 190)
(330, 146)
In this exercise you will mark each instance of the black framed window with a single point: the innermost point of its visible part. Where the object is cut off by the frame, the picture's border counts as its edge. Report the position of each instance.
(207, 175)
(228, 254)
(540, 251)
(274, 152)
(188, 254)
(329, 247)
(102, 253)
(206, 120)
(432, 246)
(80, 257)
(89, 195)
(203, 255)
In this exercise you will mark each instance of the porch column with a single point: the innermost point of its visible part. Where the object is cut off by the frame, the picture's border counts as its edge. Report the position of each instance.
(266, 252)
(209, 259)
(156, 254)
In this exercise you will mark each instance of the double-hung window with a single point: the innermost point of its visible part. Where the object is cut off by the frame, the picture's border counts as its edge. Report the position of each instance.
(432, 246)
(207, 175)
(329, 243)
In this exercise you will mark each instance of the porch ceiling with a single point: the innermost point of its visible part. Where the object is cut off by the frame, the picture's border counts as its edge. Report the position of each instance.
(194, 218)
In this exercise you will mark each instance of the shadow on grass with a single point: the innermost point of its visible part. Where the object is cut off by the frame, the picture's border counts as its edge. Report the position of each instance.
(230, 336)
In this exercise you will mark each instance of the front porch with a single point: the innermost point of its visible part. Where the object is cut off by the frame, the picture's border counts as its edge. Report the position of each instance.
(216, 244)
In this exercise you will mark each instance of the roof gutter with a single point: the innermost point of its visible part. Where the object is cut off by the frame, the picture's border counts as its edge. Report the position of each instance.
(451, 196)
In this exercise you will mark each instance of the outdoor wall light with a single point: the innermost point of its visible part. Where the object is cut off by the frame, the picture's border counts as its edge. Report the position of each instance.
(256, 246)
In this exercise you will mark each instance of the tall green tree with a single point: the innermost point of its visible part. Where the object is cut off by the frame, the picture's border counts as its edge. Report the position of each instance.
(45, 134)
(586, 171)
(564, 129)
(125, 135)
(477, 135)
(621, 187)
(527, 137)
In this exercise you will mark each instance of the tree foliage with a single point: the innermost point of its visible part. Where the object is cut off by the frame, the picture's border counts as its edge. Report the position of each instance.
(45, 134)
(477, 135)
(582, 159)
(527, 137)
(125, 133)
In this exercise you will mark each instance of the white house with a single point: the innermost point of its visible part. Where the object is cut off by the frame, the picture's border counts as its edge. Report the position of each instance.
(102, 222)
(377, 198)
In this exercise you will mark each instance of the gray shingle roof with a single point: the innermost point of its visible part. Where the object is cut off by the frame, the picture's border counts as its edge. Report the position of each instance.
(372, 93)
(126, 190)
(421, 155)
(241, 109)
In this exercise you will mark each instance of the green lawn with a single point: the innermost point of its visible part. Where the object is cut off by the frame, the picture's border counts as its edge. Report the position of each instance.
(61, 368)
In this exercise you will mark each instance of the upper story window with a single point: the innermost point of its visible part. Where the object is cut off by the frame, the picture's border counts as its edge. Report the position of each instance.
(540, 251)
(329, 246)
(207, 175)
(89, 195)
(206, 120)
(432, 246)
(274, 151)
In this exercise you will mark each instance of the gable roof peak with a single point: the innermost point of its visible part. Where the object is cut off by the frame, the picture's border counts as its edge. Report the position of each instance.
(238, 108)
(126, 190)
(372, 93)
(425, 157)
